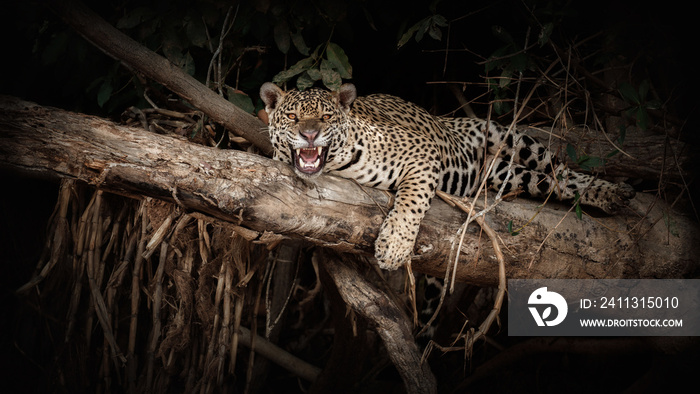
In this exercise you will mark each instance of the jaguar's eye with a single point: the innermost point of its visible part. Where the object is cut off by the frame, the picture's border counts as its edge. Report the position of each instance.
(292, 116)
(326, 116)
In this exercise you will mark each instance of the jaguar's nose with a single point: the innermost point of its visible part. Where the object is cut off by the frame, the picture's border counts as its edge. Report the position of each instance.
(309, 134)
(309, 130)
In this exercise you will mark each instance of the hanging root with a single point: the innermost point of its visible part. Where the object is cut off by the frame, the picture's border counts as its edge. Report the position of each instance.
(474, 335)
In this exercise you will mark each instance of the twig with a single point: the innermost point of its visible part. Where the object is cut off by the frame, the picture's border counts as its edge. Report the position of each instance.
(279, 356)
(156, 307)
(269, 325)
(56, 243)
(220, 284)
(224, 337)
(136, 294)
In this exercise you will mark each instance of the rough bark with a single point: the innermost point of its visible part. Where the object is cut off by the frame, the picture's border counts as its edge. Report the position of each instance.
(270, 202)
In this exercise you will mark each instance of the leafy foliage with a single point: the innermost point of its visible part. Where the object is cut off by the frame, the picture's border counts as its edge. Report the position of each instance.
(331, 68)
(639, 104)
(228, 47)
(586, 162)
(430, 25)
(321, 40)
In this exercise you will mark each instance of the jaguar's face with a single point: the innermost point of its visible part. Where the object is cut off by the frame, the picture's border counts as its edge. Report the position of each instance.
(306, 128)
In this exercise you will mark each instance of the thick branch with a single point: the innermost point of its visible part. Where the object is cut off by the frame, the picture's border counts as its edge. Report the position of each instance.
(139, 58)
(390, 323)
(269, 200)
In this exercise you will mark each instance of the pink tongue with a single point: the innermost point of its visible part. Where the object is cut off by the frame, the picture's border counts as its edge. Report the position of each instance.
(308, 154)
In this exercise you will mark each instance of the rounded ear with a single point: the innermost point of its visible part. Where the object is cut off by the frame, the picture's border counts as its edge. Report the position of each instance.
(346, 95)
(271, 95)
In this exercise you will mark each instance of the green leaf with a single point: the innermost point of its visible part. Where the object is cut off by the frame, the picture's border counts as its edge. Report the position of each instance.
(623, 134)
(299, 43)
(298, 68)
(196, 32)
(590, 162)
(182, 60)
(424, 26)
(501, 107)
(629, 94)
(643, 89)
(240, 100)
(671, 225)
(653, 104)
(189, 63)
(545, 33)
(642, 118)
(435, 32)
(305, 81)
(408, 34)
(56, 48)
(173, 53)
(502, 34)
(282, 36)
(337, 56)
(520, 62)
(315, 74)
(510, 229)
(497, 58)
(436, 21)
(571, 152)
(613, 153)
(331, 78)
(104, 93)
(368, 17)
(428, 25)
(433, 6)
(506, 76)
(439, 20)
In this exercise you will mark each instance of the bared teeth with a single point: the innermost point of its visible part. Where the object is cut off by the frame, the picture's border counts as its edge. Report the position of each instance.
(305, 155)
(304, 164)
(318, 149)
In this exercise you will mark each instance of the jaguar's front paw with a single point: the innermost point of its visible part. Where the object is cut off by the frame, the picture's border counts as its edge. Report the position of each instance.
(392, 249)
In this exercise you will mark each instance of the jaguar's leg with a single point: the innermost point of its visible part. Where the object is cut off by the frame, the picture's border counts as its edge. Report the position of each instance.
(397, 235)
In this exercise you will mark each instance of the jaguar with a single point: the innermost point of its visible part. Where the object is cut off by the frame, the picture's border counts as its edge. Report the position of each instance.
(386, 142)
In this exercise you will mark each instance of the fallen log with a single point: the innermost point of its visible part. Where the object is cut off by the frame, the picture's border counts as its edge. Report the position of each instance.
(269, 203)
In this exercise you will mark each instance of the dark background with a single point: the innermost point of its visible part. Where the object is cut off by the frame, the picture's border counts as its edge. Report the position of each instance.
(45, 62)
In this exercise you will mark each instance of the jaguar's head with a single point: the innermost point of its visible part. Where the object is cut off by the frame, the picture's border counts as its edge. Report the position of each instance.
(307, 128)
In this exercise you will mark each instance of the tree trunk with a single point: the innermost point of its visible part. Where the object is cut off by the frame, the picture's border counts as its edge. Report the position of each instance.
(389, 321)
(269, 202)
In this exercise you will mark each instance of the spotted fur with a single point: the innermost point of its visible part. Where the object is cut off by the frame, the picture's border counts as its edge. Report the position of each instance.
(386, 142)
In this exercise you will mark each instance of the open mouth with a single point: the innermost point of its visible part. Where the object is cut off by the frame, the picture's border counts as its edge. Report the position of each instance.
(309, 160)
